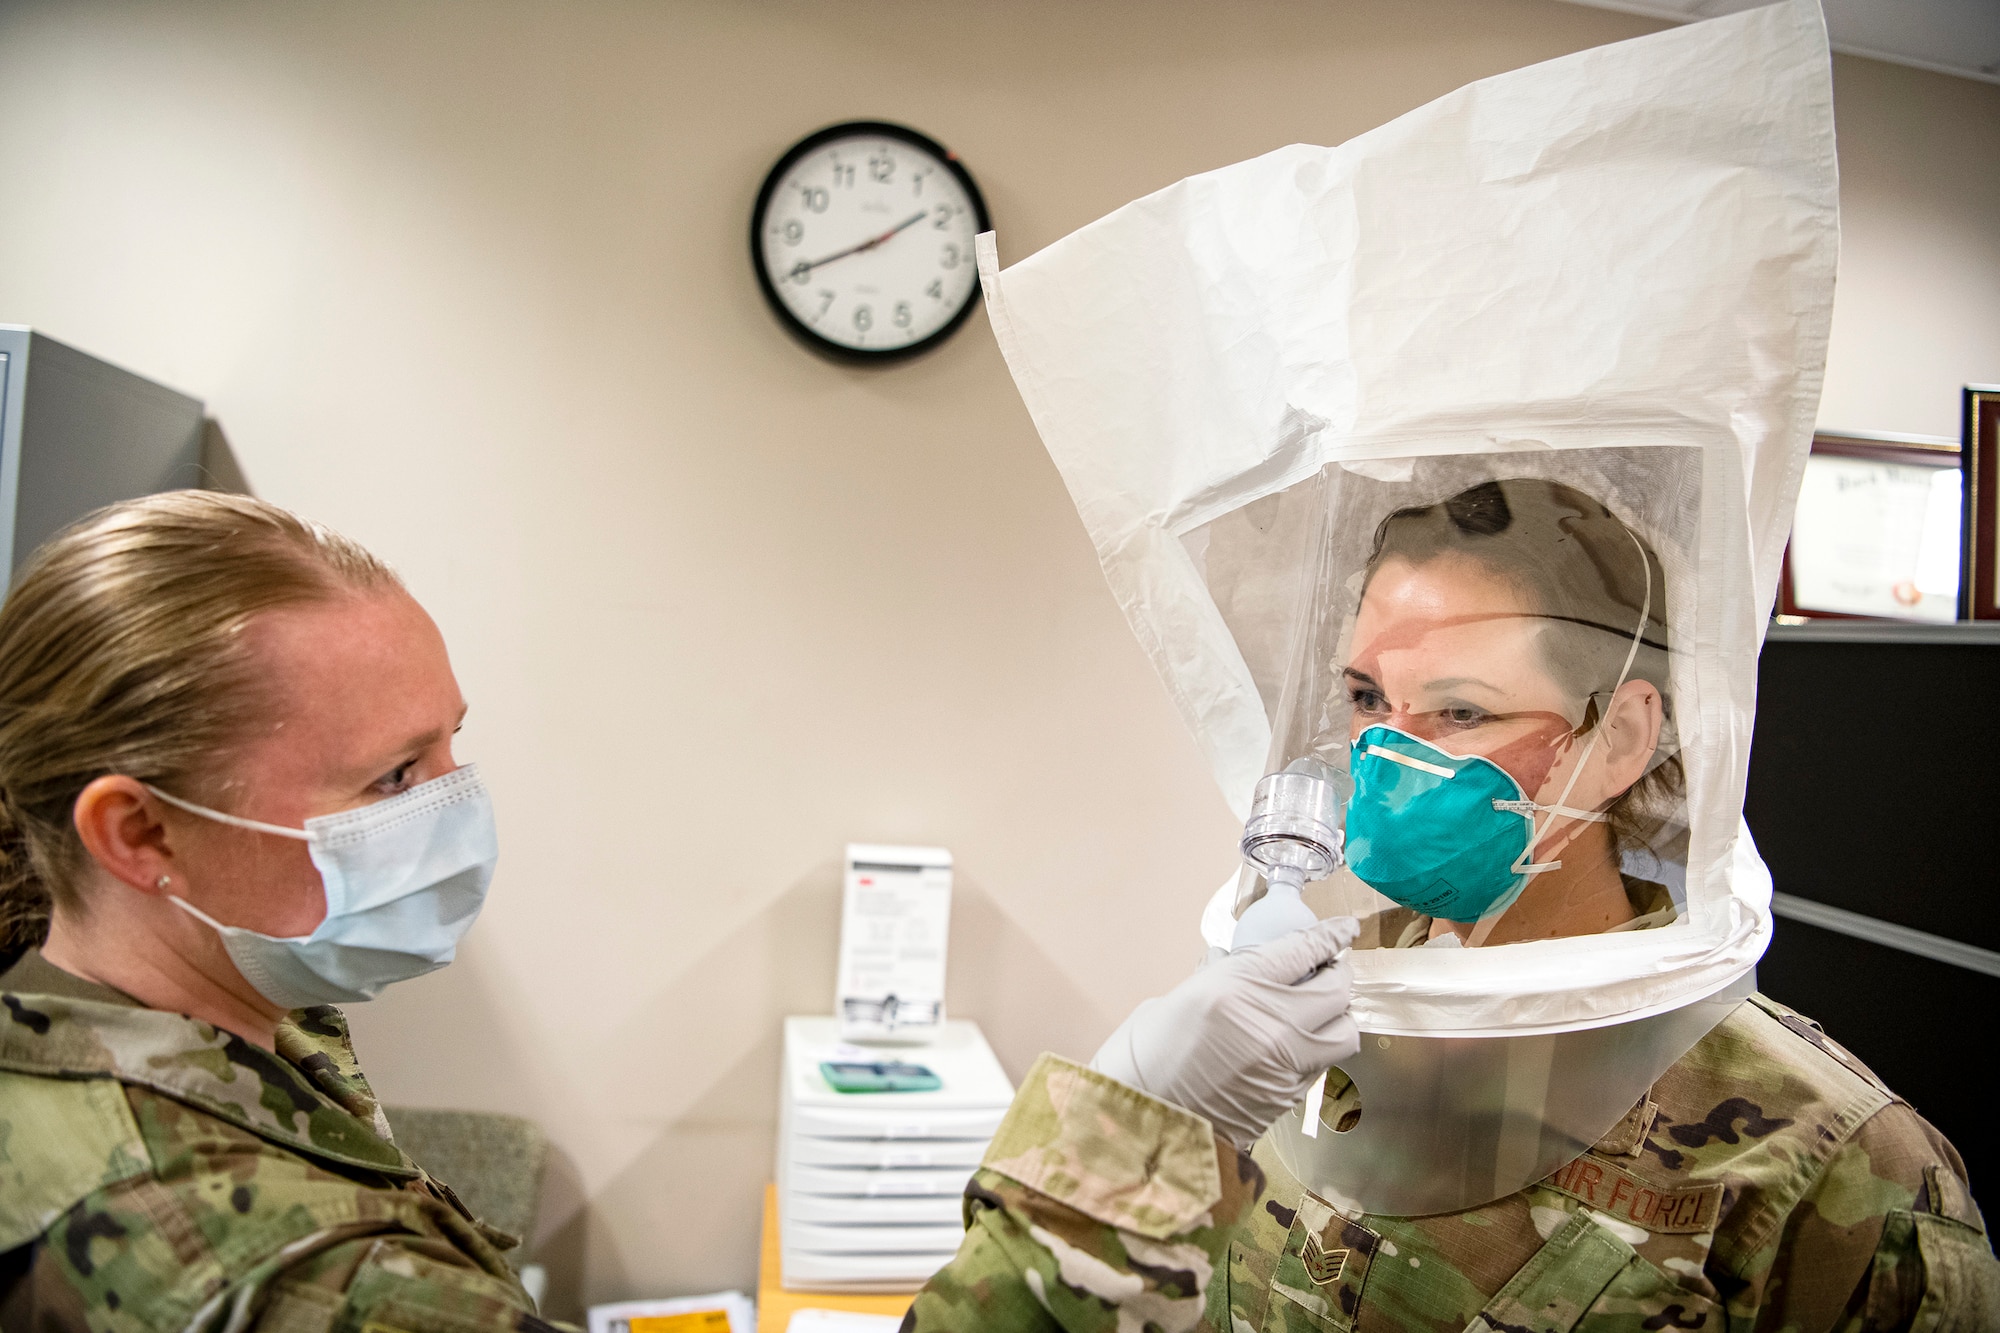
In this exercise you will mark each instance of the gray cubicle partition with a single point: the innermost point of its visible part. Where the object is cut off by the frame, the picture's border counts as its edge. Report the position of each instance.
(1873, 799)
(76, 433)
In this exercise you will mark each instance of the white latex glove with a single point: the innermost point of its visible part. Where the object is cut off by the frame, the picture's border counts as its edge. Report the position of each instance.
(1241, 1040)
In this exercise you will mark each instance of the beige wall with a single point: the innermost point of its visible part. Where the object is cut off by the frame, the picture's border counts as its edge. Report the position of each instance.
(1917, 315)
(469, 282)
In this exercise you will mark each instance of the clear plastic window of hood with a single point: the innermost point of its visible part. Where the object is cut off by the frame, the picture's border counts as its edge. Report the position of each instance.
(1480, 656)
(1489, 657)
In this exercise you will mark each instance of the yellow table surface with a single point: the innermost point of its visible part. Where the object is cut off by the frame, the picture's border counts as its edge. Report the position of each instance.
(776, 1306)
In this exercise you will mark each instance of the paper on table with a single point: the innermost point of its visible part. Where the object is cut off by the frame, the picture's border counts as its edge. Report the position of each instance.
(693, 1321)
(718, 1312)
(842, 1321)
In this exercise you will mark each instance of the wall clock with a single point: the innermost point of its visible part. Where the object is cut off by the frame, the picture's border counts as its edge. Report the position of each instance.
(862, 241)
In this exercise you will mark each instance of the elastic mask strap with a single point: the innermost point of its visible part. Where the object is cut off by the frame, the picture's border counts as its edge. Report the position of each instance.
(1522, 866)
(242, 964)
(255, 826)
(1528, 808)
(200, 915)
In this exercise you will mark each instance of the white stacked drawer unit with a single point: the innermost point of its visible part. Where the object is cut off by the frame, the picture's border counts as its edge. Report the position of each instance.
(869, 1182)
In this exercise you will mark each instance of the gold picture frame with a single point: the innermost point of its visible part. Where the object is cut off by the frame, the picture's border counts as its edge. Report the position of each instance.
(1979, 454)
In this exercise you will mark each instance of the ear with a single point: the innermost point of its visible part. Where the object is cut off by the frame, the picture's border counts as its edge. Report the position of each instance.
(1629, 736)
(121, 827)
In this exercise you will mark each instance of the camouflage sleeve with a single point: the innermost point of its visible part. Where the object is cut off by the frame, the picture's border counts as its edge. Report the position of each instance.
(1097, 1207)
(1891, 1223)
(206, 1228)
(321, 1284)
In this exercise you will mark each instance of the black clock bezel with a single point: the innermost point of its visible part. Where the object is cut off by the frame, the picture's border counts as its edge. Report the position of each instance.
(792, 324)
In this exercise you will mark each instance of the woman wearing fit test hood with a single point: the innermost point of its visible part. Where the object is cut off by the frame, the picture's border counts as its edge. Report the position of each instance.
(1444, 477)
(229, 802)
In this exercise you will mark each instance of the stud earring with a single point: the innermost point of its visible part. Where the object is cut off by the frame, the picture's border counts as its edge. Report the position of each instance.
(163, 881)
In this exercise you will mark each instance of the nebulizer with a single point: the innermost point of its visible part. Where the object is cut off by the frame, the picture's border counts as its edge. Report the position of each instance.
(1293, 836)
(1444, 478)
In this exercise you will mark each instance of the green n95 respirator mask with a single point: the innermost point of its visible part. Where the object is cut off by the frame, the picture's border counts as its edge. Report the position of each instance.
(1441, 834)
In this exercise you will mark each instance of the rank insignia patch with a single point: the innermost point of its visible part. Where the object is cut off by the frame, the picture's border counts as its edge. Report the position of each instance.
(1322, 1266)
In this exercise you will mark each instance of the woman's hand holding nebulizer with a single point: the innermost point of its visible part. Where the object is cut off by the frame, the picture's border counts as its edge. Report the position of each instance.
(1243, 1039)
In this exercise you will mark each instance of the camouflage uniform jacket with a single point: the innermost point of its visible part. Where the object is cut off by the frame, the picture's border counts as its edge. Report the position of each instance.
(157, 1173)
(1767, 1181)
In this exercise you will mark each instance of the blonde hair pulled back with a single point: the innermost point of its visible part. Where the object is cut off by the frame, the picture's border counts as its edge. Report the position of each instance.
(122, 650)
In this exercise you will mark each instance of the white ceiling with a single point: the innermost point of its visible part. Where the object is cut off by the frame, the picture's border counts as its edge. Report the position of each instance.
(1950, 36)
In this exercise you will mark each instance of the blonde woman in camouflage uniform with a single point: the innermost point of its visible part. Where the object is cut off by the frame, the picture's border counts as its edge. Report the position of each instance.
(177, 1150)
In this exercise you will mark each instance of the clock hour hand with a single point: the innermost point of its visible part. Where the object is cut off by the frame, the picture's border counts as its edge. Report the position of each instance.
(802, 268)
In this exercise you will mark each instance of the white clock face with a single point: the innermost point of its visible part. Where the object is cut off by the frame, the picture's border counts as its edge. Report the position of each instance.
(867, 242)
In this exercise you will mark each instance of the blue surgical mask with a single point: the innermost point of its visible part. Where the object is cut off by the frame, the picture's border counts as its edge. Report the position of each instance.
(1443, 834)
(404, 878)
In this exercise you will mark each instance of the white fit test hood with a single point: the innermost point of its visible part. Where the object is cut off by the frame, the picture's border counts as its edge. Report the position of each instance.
(1612, 272)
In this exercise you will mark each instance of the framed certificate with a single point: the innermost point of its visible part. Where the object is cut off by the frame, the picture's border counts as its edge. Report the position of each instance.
(1876, 534)
(1981, 454)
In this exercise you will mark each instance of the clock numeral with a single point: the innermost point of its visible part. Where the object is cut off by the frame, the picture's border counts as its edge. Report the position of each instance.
(882, 167)
(901, 319)
(843, 174)
(936, 290)
(801, 273)
(950, 259)
(864, 318)
(814, 198)
(917, 181)
(944, 212)
(825, 302)
(793, 232)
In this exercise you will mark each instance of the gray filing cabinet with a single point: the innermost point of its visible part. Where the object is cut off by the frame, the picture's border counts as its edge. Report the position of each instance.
(76, 433)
